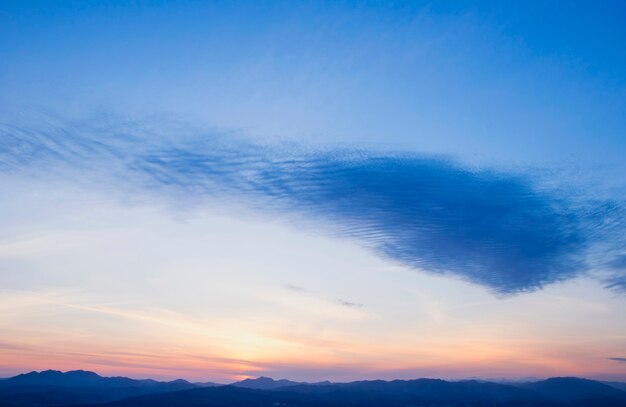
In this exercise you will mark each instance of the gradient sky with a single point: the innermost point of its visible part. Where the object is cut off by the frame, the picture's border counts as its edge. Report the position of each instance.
(313, 190)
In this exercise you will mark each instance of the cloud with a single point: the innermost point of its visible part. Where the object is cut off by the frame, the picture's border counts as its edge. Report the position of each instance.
(618, 263)
(297, 289)
(349, 304)
(339, 301)
(618, 359)
(493, 228)
(617, 283)
(490, 228)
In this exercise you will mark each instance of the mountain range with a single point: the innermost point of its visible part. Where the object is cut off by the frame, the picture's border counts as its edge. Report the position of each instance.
(53, 388)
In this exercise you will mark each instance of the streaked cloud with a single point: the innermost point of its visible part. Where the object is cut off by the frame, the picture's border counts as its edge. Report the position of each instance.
(493, 228)
(350, 304)
(618, 263)
(617, 283)
(339, 301)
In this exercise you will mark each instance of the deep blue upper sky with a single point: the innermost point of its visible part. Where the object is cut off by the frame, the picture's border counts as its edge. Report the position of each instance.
(513, 82)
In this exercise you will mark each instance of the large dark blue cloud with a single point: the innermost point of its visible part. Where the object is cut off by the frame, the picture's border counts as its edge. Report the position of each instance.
(492, 228)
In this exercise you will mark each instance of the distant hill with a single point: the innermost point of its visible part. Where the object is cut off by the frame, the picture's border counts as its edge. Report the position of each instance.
(578, 391)
(80, 388)
(74, 378)
(397, 393)
(265, 383)
(617, 385)
(52, 387)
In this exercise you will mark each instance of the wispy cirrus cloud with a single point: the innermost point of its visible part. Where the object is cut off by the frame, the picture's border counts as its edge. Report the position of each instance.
(618, 359)
(493, 228)
(338, 301)
(350, 304)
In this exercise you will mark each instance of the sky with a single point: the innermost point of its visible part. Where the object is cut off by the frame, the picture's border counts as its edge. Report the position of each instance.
(313, 190)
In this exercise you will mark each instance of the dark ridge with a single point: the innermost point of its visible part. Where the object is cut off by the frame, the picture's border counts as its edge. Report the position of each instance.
(52, 388)
(80, 388)
(265, 383)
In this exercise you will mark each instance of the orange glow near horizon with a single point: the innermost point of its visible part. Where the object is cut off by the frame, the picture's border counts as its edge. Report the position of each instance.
(348, 361)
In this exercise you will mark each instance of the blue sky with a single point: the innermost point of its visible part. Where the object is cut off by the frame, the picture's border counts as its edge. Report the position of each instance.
(421, 159)
(541, 82)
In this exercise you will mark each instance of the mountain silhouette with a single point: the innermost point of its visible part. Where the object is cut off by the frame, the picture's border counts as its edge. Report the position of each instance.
(52, 387)
(576, 390)
(397, 393)
(265, 383)
(617, 385)
(80, 388)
